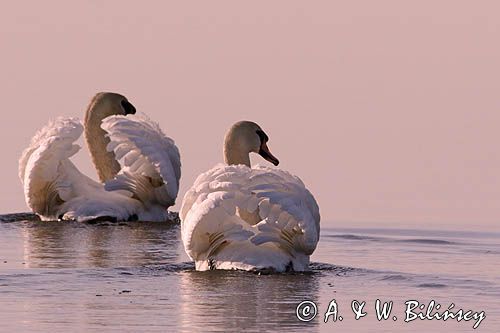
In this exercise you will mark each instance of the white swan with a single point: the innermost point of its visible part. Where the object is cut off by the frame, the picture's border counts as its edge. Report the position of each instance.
(138, 166)
(238, 217)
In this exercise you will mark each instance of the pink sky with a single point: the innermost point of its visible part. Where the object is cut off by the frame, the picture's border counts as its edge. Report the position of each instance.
(389, 110)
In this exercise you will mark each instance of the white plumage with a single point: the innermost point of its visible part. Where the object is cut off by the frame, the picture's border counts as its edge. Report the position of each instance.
(237, 217)
(150, 161)
(144, 187)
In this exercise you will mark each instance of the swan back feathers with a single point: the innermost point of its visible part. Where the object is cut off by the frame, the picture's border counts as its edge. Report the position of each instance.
(253, 208)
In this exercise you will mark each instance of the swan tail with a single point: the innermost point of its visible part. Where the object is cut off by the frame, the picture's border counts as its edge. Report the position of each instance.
(43, 166)
(288, 238)
(150, 160)
(101, 205)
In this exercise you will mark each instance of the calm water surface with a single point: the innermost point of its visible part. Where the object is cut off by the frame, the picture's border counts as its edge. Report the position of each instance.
(63, 276)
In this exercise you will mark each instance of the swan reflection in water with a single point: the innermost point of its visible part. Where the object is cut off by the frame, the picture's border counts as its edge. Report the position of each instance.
(166, 291)
(226, 300)
(81, 245)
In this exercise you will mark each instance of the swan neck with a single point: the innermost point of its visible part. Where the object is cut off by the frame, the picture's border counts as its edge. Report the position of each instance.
(234, 154)
(105, 162)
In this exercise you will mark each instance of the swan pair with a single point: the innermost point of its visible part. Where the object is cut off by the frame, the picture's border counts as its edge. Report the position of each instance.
(233, 217)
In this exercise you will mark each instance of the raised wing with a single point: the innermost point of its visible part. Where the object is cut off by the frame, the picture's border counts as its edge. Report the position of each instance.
(289, 212)
(150, 161)
(261, 205)
(48, 176)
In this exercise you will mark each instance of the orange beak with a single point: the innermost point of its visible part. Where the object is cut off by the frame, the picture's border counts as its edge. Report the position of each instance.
(266, 154)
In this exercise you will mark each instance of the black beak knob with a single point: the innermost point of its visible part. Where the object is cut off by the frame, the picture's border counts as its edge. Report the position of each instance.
(128, 107)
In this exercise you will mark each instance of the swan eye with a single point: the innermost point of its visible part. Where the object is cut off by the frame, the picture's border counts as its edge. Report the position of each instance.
(263, 136)
(128, 107)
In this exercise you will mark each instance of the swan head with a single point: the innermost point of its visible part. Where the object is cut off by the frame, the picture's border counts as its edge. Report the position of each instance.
(243, 138)
(105, 104)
